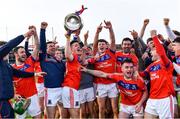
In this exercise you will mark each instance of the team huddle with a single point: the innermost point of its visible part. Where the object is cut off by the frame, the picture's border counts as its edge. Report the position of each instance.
(137, 80)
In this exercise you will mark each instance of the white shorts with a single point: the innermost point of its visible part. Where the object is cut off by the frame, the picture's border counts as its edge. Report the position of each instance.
(130, 109)
(33, 109)
(164, 108)
(175, 100)
(40, 88)
(70, 98)
(104, 90)
(53, 96)
(86, 95)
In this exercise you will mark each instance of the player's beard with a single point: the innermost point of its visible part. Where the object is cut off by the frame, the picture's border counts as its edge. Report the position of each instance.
(126, 50)
(22, 60)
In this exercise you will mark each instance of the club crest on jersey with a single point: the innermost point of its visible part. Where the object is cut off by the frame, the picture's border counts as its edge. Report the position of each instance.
(79, 59)
(178, 60)
(104, 57)
(128, 86)
(155, 68)
(26, 66)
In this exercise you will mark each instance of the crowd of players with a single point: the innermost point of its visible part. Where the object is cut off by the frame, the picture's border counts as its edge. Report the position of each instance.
(138, 80)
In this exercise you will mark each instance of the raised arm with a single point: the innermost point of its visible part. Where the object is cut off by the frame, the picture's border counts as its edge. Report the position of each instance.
(6, 48)
(137, 44)
(159, 48)
(111, 34)
(170, 33)
(43, 37)
(95, 43)
(26, 47)
(68, 52)
(146, 22)
(36, 44)
(86, 35)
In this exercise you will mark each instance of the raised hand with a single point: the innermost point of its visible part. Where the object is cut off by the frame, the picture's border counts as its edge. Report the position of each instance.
(68, 35)
(153, 33)
(44, 25)
(54, 40)
(134, 34)
(166, 21)
(99, 28)
(29, 33)
(108, 24)
(146, 22)
(86, 35)
(33, 27)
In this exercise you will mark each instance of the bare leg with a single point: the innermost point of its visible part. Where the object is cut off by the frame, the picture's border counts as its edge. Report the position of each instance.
(91, 110)
(83, 111)
(150, 116)
(64, 113)
(114, 104)
(51, 111)
(74, 113)
(123, 115)
(101, 103)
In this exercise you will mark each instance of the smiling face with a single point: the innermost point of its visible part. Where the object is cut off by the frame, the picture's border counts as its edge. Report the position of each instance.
(126, 45)
(51, 49)
(20, 55)
(59, 55)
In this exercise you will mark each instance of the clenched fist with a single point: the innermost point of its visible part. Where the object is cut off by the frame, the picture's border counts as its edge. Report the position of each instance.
(44, 25)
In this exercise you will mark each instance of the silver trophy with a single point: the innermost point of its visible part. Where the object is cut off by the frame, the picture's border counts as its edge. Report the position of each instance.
(73, 22)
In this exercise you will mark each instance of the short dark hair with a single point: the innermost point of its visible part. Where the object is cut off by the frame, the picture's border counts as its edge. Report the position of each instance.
(177, 40)
(2, 43)
(17, 48)
(102, 40)
(127, 60)
(126, 39)
(49, 42)
(176, 32)
(73, 41)
(59, 50)
(149, 39)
